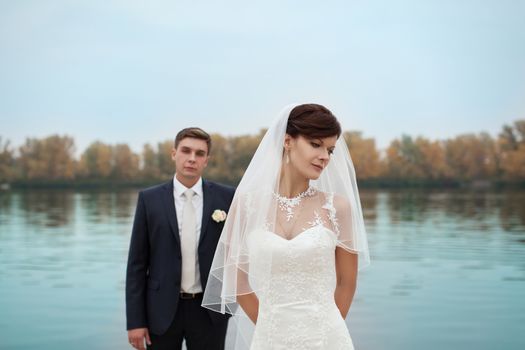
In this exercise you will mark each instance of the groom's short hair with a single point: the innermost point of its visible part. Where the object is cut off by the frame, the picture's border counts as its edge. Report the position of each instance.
(193, 132)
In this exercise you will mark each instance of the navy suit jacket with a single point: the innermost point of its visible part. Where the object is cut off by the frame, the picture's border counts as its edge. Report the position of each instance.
(153, 275)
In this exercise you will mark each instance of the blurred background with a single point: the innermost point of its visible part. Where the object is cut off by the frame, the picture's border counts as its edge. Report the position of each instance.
(431, 95)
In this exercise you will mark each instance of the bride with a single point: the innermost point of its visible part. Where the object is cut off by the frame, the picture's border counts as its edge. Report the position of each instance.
(293, 240)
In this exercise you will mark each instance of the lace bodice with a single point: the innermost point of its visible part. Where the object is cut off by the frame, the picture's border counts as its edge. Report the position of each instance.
(302, 268)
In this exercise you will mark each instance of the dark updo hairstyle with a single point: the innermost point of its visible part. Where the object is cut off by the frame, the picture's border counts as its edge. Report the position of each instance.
(312, 121)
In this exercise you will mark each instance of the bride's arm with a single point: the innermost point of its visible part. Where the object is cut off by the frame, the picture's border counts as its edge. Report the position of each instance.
(250, 305)
(346, 269)
(246, 299)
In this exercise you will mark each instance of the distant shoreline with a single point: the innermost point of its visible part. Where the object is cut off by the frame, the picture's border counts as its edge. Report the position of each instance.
(368, 184)
(466, 161)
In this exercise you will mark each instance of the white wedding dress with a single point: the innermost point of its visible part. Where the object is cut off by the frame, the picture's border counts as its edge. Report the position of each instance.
(296, 305)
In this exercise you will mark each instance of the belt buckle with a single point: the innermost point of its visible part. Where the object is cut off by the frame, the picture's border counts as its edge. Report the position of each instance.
(187, 295)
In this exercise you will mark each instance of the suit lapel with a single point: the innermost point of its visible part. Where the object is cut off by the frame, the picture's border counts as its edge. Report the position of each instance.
(169, 204)
(207, 208)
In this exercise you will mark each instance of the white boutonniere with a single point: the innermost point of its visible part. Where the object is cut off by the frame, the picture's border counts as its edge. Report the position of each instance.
(218, 215)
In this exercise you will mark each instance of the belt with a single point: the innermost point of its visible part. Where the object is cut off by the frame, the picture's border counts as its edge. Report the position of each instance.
(191, 295)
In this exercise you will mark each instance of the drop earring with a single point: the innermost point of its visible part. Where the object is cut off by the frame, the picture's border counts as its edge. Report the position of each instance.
(287, 157)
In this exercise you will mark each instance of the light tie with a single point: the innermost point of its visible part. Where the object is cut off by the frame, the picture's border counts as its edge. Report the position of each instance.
(188, 242)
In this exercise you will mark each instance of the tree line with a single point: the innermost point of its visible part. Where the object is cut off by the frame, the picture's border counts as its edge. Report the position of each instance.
(467, 158)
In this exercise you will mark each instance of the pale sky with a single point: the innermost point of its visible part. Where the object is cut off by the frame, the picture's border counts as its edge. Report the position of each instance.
(139, 71)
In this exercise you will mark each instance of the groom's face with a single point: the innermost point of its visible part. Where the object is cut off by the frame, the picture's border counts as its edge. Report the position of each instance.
(191, 157)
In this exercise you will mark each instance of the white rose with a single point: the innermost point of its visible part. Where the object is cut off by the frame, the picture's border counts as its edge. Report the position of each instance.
(218, 215)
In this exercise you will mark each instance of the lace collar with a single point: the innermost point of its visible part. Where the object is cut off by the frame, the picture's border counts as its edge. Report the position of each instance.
(288, 204)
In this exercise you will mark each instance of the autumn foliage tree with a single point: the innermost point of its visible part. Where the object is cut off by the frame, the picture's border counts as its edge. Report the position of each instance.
(512, 151)
(97, 161)
(404, 160)
(150, 165)
(365, 156)
(164, 161)
(219, 165)
(7, 162)
(48, 159)
(125, 163)
(472, 157)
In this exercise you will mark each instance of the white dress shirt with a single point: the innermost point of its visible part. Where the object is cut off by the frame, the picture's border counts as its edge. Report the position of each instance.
(197, 200)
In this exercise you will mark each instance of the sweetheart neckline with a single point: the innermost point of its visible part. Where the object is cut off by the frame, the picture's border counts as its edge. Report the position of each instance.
(300, 233)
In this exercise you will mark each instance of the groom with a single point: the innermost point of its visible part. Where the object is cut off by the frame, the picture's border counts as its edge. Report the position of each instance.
(172, 245)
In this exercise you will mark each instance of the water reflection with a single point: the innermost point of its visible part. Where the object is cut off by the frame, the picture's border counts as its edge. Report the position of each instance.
(60, 208)
(512, 211)
(506, 208)
(408, 205)
(369, 205)
(47, 208)
(6, 202)
(470, 205)
(104, 207)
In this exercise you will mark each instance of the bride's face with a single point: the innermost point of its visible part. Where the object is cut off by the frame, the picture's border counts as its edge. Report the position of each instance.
(309, 156)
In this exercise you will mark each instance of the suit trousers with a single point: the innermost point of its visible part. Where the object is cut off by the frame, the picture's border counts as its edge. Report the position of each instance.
(192, 323)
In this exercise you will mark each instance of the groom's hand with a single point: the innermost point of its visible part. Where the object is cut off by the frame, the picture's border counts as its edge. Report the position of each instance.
(136, 338)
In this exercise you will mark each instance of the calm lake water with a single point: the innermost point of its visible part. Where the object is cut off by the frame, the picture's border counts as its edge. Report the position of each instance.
(447, 272)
